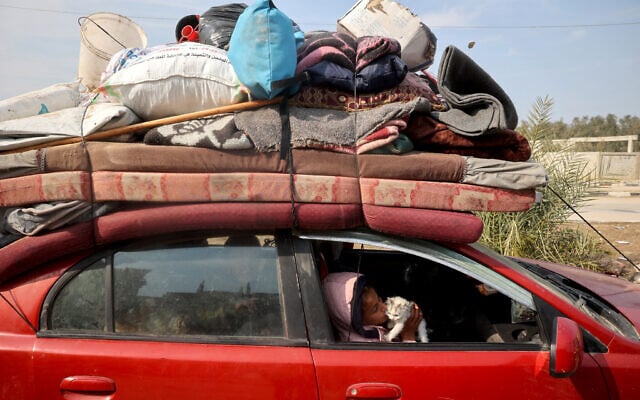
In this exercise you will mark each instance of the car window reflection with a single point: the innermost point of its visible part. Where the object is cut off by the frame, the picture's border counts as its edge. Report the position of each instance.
(219, 286)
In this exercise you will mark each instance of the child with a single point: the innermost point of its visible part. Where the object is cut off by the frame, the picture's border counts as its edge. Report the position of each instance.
(357, 311)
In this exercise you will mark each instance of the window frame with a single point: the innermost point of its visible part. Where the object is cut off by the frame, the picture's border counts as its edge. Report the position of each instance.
(320, 330)
(293, 323)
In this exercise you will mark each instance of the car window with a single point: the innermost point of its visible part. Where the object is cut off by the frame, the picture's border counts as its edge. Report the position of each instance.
(81, 304)
(227, 286)
(462, 300)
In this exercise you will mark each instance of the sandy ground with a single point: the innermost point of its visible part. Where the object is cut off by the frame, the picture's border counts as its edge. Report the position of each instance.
(625, 236)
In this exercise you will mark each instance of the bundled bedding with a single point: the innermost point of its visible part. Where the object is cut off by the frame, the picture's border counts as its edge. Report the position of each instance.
(362, 142)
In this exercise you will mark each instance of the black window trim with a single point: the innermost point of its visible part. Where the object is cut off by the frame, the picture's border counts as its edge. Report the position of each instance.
(294, 328)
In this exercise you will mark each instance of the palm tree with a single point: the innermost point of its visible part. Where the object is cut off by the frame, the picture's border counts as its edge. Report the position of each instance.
(542, 232)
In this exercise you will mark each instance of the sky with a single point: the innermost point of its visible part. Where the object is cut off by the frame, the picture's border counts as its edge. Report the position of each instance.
(584, 55)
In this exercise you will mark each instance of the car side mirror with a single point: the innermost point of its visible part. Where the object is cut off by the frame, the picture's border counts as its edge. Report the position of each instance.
(567, 348)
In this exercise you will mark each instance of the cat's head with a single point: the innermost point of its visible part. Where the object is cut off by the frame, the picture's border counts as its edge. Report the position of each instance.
(395, 306)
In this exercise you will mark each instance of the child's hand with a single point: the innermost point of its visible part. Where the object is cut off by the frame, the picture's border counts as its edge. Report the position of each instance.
(411, 326)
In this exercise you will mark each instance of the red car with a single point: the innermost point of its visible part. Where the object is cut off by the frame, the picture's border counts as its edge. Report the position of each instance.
(158, 306)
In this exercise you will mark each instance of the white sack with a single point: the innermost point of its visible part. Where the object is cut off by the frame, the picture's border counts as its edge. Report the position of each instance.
(175, 79)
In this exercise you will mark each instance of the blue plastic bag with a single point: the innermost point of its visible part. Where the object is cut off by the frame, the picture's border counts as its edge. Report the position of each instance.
(262, 50)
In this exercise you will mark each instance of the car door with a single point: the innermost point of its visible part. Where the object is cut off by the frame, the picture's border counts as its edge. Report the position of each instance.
(455, 364)
(191, 318)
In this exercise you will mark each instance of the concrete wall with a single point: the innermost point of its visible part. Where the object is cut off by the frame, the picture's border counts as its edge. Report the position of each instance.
(615, 167)
(609, 168)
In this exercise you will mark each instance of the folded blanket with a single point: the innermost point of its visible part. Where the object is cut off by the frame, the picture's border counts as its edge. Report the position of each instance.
(339, 48)
(317, 125)
(427, 134)
(411, 87)
(217, 132)
(376, 141)
(380, 74)
(478, 105)
(370, 48)
(347, 132)
(373, 60)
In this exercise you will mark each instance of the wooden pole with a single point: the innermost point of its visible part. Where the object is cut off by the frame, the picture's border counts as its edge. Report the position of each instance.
(248, 105)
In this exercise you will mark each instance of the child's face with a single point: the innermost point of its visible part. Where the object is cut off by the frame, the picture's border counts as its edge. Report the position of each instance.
(373, 308)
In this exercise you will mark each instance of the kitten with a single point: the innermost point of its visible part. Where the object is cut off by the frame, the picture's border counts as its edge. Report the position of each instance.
(398, 310)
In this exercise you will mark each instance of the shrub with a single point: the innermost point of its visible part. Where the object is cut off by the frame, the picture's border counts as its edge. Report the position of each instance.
(542, 232)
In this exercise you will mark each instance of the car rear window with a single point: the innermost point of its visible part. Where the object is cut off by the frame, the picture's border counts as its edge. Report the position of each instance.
(227, 286)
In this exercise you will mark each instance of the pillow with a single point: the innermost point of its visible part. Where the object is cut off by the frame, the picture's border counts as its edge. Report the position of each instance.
(175, 79)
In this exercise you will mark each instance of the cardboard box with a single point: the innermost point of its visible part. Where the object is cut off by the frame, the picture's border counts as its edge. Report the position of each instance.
(391, 19)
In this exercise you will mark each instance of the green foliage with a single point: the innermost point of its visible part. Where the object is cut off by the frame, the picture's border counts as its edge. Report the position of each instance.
(542, 232)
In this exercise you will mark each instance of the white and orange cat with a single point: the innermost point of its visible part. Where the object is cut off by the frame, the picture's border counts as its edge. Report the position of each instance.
(398, 311)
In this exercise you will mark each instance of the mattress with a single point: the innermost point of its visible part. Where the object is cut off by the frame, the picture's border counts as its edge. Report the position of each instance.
(417, 194)
(141, 220)
(137, 172)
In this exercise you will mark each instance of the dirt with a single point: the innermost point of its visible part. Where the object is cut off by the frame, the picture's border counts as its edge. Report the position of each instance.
(626, 238)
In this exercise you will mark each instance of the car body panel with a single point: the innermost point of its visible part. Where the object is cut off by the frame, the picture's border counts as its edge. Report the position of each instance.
(453, 373)
(161, 370)
(620, 370)
(624, 295)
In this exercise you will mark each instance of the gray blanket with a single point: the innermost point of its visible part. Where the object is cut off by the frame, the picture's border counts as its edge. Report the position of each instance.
(320, 125)
(41, 217)
(261, 128)
(217, 132)
(477, 103)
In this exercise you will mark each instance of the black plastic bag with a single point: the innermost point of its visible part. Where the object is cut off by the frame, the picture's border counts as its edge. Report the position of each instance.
(217, 24)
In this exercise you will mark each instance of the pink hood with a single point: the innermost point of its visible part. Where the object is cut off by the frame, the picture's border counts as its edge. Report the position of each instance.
(338, 294)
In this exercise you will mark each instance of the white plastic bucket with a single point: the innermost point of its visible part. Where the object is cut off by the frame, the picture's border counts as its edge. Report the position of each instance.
(101, 36)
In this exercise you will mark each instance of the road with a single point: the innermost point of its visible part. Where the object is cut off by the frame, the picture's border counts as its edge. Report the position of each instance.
(610, 209)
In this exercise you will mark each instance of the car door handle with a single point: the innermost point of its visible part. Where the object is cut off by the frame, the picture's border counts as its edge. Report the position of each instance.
(90, 385)
(373, 390)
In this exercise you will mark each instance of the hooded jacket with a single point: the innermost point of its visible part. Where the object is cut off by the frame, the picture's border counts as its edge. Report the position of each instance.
(342, 291)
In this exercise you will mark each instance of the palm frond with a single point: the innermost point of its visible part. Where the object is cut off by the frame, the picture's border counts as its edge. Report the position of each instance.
(541, 232)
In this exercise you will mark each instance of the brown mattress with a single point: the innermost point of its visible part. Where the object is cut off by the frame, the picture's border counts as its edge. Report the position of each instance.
(135, 172)
(106, 156)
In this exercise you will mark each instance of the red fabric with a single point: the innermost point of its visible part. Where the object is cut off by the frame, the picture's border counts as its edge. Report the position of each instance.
(428, 134)
(31, 251)
(436, 225)
(222, 187)
(41, 188)
(443, 195)
(141, 222)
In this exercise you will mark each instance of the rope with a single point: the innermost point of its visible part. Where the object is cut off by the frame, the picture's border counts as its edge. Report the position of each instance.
(19, 312)
(89, 164)
(287, 152)
(594, 229)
